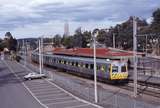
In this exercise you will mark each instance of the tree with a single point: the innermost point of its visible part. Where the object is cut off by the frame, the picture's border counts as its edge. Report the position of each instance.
(78, 38)
(155, 26)
(68, 41)
(8, 35)
(86, 38)
(101, 36)
(2, 45)
(57, 40)
(10, 42)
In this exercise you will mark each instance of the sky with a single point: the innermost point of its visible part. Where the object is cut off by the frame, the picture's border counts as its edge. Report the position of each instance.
(34, 18)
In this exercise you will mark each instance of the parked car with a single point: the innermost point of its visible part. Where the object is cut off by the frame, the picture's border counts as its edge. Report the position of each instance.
(34, 75)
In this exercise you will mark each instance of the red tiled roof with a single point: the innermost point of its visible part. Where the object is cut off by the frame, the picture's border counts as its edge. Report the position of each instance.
(88, 52)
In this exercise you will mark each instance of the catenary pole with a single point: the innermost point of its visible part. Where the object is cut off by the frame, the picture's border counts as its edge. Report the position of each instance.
(95, 70)
(135, 54)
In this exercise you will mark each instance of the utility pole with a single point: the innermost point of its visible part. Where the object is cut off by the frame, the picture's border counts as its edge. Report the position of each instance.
(146, 44)
(40, 58)
(24, 52)
(95, 66)
(135, 54)
(42, 51)
(114, 41)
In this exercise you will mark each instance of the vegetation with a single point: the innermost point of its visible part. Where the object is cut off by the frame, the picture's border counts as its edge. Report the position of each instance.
(9, 42)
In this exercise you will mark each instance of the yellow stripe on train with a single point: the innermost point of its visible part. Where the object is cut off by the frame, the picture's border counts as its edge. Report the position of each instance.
(119, 76)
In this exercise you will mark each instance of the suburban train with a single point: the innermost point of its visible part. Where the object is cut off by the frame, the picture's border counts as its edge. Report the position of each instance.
(111, 70)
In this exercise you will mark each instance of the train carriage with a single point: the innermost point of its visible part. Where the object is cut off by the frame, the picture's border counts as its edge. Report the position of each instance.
(109, 70)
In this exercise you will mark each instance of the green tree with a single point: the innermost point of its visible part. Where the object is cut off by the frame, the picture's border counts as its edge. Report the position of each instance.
(86, 38)
(10, 42)
(57, 40)
(155, 26)
(78, 38)
(68, 41)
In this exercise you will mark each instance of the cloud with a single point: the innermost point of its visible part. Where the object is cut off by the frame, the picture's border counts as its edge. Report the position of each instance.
(31, 17)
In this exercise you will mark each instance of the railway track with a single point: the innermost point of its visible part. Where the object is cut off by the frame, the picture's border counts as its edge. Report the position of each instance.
(144, 88)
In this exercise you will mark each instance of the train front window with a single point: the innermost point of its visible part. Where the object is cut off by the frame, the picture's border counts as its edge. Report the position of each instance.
(114, 69)
(123, 69)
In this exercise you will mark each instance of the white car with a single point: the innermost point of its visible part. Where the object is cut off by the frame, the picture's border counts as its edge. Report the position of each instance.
(34, 75)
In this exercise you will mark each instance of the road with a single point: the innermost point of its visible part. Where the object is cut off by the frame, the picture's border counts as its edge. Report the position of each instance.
(12, 92)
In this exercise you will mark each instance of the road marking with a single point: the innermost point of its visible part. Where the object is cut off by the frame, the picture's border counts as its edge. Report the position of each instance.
(57, 98)
(43, 90)
(82, 100)
(35, 88)
(48, 91)
(78, 106)
(52, 92)
(42, 96)
(70, 101)
(39, 84)
(24, 85)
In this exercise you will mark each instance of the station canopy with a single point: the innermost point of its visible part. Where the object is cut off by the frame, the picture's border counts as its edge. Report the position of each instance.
(110, 53)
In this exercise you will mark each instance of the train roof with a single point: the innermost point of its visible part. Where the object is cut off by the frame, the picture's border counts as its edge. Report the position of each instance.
(100, 52)
(83, 59)
(79, 58)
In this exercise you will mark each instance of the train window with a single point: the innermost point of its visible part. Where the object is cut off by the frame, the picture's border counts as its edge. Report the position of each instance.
(86, 65)
(77, 64)
(123, 69)
(83, 65)
(64, 62)
(98, 67)
(91, 66)
(72, 63)
(114, 69)
(103, 68)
